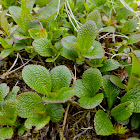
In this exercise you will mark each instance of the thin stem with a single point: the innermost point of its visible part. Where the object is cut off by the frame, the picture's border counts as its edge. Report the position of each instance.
(120, 54)
(7, 73)
(65, 117)
(57, 10)
(70, 18)
(13, 63)
(71, 14)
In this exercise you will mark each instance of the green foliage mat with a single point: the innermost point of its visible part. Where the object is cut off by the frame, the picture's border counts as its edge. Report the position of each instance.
(69, 69)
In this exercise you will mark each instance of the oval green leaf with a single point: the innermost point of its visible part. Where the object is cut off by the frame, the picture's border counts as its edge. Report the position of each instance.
(95, 52)
(80, 89)
(60, 77)
(95, 16)
(6, 133)
(86, 35)
(38, 78)
(134, 96)
(39, 122)
(111, 90)
(67, 42)
(61, 96)
(116, 81)
(109, 65)
(27, 104)
(55, 111)
(91, 102)
(92, 80)
(42, 47)
(4, 89)
(122, 111)
(102, 123)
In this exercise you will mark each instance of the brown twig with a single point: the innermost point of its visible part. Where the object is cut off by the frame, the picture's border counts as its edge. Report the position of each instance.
(7, 73)
(65, 117)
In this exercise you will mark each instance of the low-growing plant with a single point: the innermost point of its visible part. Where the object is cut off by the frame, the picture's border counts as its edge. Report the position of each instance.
(121, 113)
(71, 47)
(8, 111)
(87, 87)
(101, 34)
(84, 46)
(53, 86)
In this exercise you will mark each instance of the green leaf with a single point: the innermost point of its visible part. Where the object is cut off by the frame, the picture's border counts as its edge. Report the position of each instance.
(86, 35)
(49, 10)
(55, 111)
(129, 27)
(133, 138)
(96, 62)
(42, 34)
(39, 122)
(67, 42)
(116, 81)
(12, 95)
(1, 32)
(17, 47)
(15, 12)
(109, 65)
(102, 123)
(25, 12)
(20, 36)
(125, 122)
(134, 96)
(95, 52)
(61, 96)
(33, 33)
(133, 39)
(137, 53)
(123, 14)
(68, 54)
(6, 133)
(11, 110)
(4, 90)
(30, 4)
(38, 78)
(5, 53)
(92, 80)
(91, 102)
(60, 77)
(42, 47)
(80, 89)
(4, 22)
(134, 71)
(37, 33)
(135, 121)
(9, 114)
(111, 90)
(109, 29)
(27, 104)
(52, 59)
(21, 130)
(122, 111)
(42, 3)
(71, 55)
(5, 44)
(99, 2)
(95, 16)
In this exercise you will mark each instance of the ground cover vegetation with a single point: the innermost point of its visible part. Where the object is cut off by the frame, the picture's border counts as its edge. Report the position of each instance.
(69, 69)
